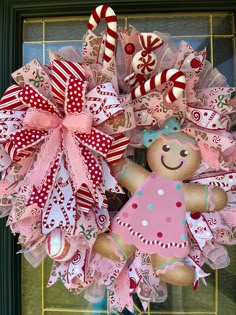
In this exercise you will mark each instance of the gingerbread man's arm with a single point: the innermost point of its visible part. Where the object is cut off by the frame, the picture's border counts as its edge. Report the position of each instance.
(202, 198)
(130, 174)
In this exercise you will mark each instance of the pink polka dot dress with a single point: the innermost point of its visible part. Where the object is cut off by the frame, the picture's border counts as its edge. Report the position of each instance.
(154, 218)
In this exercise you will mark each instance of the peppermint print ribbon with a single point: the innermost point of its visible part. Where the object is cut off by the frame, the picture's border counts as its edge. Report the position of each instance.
(66, 133)
(73, 134)
(207, 118)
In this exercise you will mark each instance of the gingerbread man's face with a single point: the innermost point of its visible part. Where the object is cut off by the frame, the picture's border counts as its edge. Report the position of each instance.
(174, 155)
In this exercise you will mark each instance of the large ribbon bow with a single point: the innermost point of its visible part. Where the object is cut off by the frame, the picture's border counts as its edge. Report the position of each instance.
(73, 135)
(69, 136)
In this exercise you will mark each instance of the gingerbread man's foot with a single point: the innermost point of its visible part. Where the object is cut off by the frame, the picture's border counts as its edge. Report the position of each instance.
(172, 270)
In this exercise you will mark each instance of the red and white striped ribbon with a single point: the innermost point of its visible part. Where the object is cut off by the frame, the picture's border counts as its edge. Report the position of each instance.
(61, 69)
(173, 75)
(9, 100)
(105, 12)
(117, 148)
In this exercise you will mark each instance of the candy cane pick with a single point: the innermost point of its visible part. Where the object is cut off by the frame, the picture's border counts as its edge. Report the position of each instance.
(105, 12)
(174, 75)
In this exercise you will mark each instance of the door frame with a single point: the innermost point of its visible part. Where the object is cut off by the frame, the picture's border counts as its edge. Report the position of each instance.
(12, 14)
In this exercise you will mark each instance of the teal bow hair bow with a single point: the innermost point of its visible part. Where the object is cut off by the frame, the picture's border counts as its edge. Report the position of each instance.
(149, 136)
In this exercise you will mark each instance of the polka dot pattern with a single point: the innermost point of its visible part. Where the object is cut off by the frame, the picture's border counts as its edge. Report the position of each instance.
(40, 197)
(10, 99)
(75, 95)
(93, 167)
(34, 99)
(178, 186)
(74, 99)
(27, 137)
(61, 70)
(71, 93)
(125, 214)
(96, 140)
(154, 219)
(150, 206)
(145, 223)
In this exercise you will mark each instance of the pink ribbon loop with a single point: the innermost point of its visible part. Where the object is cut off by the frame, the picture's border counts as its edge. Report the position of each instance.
(81, 122)
(77, 166)
(41, 120)
(48, 155)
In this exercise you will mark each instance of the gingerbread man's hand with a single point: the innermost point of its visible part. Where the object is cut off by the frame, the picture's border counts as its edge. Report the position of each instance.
(130, 174)
(203, 198)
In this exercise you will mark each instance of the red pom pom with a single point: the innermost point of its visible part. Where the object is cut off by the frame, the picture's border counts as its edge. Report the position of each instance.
(129, 48)
(195, 63)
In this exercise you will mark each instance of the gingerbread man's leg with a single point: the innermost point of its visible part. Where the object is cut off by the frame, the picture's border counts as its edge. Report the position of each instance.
(113, 247)
(172, 270)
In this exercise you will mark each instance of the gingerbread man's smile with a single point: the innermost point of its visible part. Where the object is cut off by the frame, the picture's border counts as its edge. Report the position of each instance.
(168, 167)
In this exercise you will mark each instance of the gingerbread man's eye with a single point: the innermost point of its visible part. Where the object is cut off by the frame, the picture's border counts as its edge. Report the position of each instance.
(166, 147)
(183, 153)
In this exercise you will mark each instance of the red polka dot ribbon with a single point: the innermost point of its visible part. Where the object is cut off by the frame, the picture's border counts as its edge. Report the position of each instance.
(71, 134)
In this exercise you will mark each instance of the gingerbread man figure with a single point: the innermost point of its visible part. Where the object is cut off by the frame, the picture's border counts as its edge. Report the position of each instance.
(153, 220)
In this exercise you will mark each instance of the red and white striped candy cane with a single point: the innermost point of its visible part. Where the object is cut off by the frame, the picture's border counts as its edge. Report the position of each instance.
(174, 75)
(105, 12)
